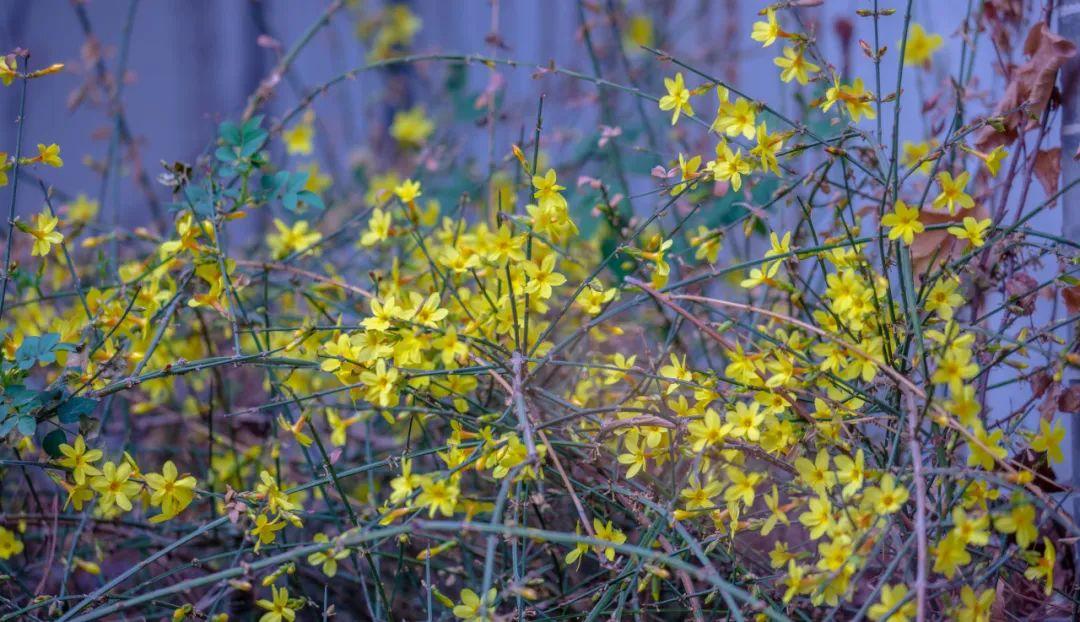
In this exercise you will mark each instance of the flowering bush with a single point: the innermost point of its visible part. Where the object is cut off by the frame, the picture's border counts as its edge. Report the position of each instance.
(724, 361)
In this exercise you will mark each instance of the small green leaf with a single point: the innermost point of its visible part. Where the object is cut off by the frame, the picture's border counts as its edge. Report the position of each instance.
(37, 349)
(73, 408)
(52, 442)
(27, 425)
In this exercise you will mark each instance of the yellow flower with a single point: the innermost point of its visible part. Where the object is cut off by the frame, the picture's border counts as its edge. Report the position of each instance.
(82, 209)
(708, 432)
(317, 181)
(382, 314)
(952, 192)
(698, 497)
(339, 427)
(45, 233)
(411, 127)
(329, 558)
(407, 191)
(636, 457)
(985, 458)
(50, 155)
(439, 496)
(954, 368)
(795, 66)
(170, 491)
(975, 608)
(741, 488)
(548, 188)
(378, 228)
(729, 165)
(835, 554)
(279, 609)
(476, 609)
(915, 152)
(949, 554)
(887, 497)
(994, 159)
(289, 240)
(1049, 440)
(920, 46)
(114, 486)
(1020, 520)
(856, 99)
(9, 544)
(677, 98)
(970, 530)
(380, 384)
(903, 222)
(776, 514)
(579, 549)
(1043, 566)
(266, 530)
(9, 67)
(639, 32)
(819, 517)
(767, 31)
(972, 231)
(891, 597)
(79, 460)
(299, 138)
(794, 581)
(744, 421)
(269, 490)
(504, 246)
(608, 533)
(688, 173)
(851, 472)
(738, 118)
(944, 298)
(761, 277)
(816, 474)
(542, 277)
(766, 149)
(404, 485)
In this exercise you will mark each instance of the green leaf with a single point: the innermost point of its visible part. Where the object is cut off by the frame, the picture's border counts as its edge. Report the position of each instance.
(7, 425)
(73, 408)
(52, 442)
(37, 349)
(27, 425)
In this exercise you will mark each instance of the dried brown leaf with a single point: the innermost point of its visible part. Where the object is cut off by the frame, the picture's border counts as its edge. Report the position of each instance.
(1029, 84)
(1071, 296)
(1048, 169)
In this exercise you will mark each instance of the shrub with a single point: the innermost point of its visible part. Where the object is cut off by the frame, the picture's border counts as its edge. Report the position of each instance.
(767, 364)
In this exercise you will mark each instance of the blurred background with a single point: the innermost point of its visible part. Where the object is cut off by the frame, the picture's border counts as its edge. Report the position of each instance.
(193, 63)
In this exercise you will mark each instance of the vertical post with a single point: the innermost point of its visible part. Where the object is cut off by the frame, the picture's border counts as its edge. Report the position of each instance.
(1069, 27)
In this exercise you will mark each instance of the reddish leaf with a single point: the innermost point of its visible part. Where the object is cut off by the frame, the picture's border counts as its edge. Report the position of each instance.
(1022, 289)
(1030, 83)
(1048, 169)
(1071, 296)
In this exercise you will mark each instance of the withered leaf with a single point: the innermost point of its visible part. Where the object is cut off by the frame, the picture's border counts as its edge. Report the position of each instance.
(1030, 83)
(1048, 169)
